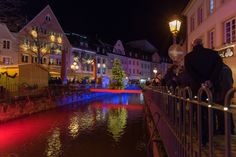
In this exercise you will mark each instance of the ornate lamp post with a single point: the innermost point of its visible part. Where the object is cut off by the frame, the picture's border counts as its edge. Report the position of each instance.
(176, 53)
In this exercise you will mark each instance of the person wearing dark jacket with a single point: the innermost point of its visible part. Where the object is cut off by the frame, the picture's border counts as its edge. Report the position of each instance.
(203, 66)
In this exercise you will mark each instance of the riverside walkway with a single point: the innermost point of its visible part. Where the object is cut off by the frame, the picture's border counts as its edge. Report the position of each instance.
(179, 126)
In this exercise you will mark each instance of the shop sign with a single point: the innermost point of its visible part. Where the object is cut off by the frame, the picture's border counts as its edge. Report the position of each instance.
(226, 52)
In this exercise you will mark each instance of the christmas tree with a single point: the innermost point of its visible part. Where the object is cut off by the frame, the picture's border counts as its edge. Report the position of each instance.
(117, 76)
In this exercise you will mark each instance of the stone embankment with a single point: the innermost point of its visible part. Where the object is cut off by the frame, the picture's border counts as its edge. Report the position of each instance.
(24, 105)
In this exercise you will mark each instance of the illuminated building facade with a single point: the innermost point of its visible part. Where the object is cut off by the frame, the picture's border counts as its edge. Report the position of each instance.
(214, 21)
(8, 46)
(42, 41)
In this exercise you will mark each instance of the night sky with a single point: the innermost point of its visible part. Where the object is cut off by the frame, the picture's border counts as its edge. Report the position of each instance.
(110, 20)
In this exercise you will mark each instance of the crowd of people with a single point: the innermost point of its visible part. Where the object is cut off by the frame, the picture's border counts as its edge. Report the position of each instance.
(203, 67)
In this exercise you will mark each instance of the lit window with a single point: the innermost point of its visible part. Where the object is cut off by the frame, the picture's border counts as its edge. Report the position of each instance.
(211, 6)
(6, 60)
(6, 44)
(229, 31)
(211, 37)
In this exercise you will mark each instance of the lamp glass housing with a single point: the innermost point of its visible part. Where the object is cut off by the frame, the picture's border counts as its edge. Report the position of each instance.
(174, 26)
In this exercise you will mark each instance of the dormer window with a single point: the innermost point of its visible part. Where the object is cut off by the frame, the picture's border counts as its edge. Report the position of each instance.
(48, 18)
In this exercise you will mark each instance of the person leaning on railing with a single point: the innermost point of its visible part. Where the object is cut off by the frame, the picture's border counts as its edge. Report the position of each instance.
(203, 65)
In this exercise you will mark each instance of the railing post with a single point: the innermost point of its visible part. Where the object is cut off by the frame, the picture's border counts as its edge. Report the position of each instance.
(188, 91)
(228, 126)
(179, 126)
(205, 90)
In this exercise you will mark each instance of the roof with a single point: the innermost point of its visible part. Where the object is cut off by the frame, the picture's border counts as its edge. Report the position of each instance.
(143, 45)
(189, 5)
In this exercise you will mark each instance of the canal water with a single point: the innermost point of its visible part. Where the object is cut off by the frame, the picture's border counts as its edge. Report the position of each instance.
(109, 127)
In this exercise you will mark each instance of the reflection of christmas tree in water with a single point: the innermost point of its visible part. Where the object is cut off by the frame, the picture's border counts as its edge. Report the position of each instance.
(117, 121)
(54, 144)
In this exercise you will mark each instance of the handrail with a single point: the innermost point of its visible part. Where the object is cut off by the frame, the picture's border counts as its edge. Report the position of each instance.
(183, 115)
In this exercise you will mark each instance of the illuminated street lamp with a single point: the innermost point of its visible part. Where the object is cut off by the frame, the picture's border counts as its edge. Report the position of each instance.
(174, 28)
(74, 66)
(176, 52)
(155, 72)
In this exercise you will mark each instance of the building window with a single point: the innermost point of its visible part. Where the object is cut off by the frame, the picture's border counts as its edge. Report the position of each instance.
(137, 63)
(6, 44)
(211, 40)
(229, 31)
(130, 71)
(48, 18)
(192, 23)
(129, 61)
(34, 59)
(211, 6)
(199, 15)
(51, 61)
(6, 60)
(133, 71)
(99, 60)
(44, 60)
(133, 62)
(25, 58)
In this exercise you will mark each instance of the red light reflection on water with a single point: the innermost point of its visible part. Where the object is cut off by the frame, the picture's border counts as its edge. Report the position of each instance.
(115, 106)
(116, 91)
(19, 132)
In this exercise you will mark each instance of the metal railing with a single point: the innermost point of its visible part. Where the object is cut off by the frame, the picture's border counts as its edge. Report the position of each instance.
(185, 115)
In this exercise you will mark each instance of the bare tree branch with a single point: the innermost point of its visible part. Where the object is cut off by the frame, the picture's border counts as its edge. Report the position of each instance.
(11, 13)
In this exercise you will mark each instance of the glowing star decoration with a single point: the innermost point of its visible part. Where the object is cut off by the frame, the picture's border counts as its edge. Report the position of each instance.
(43, 50)
(34, 48)
(59, 40)
(34, 33)
(52, 38)
(25, 47)
(58, 51)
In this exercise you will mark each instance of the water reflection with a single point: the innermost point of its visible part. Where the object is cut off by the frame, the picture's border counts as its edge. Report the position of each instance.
(74, 126)
(117, 121)
(54, 144)
(109, 127)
